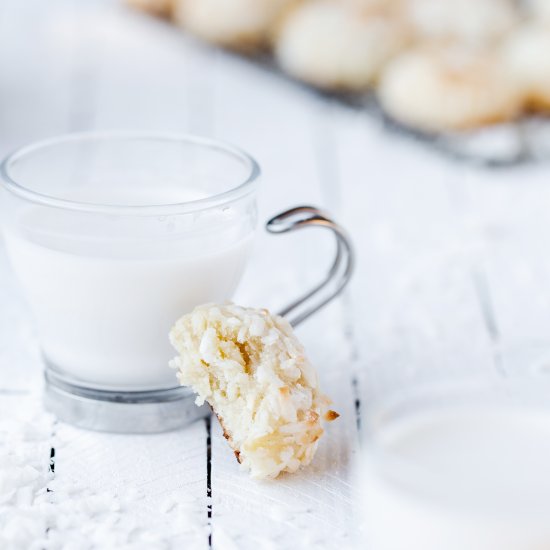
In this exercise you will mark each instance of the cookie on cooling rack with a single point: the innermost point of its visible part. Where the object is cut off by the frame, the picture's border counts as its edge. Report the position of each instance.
(251, 369)
(436, 90)
(473, 22)
(527, 56)
(237, 24)
(159, 8)
(337, 45)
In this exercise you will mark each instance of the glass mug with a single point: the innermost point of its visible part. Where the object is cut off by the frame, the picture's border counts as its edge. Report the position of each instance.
(112, 237)
(458, 464)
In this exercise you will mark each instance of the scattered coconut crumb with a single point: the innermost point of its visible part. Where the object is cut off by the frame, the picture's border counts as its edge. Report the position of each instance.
(251, 369)
(39, 512)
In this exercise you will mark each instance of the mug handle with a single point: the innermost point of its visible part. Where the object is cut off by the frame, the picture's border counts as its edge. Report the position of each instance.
(338, 275)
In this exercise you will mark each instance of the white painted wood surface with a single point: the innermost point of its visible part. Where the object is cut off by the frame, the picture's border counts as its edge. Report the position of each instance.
(452, 279)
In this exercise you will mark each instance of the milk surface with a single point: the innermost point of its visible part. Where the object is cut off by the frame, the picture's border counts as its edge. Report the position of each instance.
(459, 479)
(105, 291)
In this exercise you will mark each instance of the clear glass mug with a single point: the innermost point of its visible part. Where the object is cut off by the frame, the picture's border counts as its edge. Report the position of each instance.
(455, 465)
(112, 237)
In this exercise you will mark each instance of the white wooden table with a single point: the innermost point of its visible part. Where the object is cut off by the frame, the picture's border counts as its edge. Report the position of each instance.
(453, 279)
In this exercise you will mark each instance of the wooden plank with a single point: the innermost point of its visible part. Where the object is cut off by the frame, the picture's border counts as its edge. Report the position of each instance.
(416, 317)
(103, 489)
(148, 489)
(36, 60)
(314, 506)
(137, 76)
(143, 74)
(311, 507)
(507, 215)
(270, 118)
(88, 52)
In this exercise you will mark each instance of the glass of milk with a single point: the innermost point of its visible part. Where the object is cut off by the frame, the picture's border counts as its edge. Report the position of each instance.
(113, 237)
(456, 467)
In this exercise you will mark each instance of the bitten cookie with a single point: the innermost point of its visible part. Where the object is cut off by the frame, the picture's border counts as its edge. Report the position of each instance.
(251, 369)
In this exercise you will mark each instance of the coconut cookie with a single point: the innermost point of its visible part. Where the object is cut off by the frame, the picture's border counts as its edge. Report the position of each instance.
(474, 22)
(251, 369)
(337, 45)
(237, 24)
(159, 8)
(453, 89)
(527, 56)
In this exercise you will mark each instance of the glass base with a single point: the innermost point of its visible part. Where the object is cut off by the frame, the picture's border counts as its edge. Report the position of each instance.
(121, 411)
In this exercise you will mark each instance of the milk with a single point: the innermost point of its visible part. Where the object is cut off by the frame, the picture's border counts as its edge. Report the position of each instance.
(459, 479)
(106, 290)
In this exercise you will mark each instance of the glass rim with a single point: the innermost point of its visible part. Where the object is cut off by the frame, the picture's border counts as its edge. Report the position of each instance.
(246, 186)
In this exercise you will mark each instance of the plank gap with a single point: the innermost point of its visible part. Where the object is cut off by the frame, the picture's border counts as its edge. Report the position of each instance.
(350, 337)
(485, 302)
(357, 402)
(51, 464)
(208, 424)
(52, 460)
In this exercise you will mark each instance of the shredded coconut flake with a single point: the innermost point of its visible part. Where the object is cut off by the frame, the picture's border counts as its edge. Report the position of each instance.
(38, 512)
